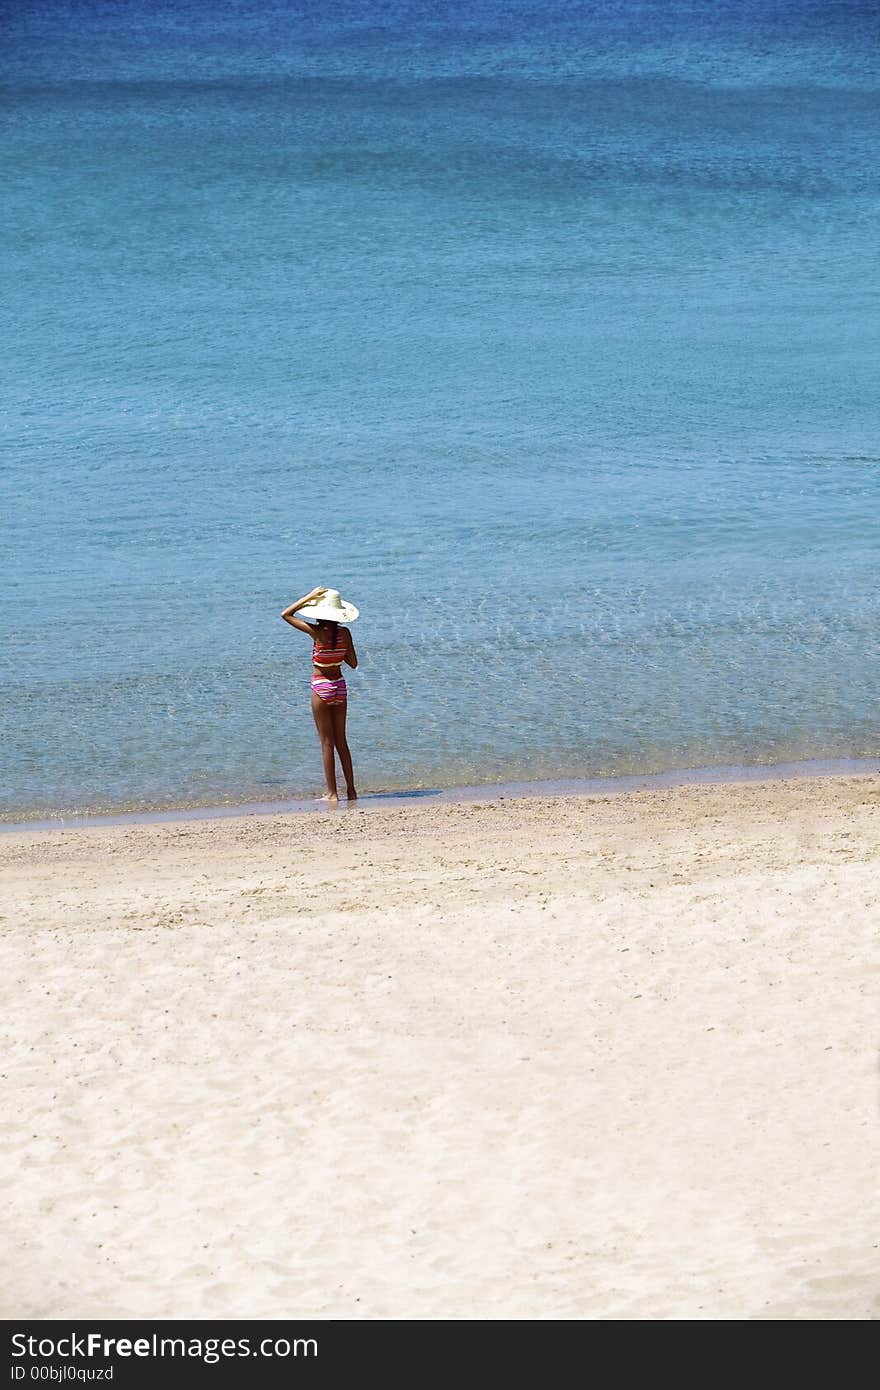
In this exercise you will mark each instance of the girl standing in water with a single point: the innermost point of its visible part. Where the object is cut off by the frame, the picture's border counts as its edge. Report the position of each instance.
(332, 647)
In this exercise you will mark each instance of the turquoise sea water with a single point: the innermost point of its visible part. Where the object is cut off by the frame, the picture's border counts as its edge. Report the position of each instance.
(548, 334)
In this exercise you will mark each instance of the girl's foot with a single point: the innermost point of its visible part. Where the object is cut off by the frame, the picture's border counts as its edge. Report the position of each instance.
(351, 794)
(331, 797)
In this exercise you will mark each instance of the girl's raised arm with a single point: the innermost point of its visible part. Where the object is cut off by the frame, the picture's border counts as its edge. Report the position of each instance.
(300, 623)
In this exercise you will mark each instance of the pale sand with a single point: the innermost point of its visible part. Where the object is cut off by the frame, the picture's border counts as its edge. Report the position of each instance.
(605, 1058)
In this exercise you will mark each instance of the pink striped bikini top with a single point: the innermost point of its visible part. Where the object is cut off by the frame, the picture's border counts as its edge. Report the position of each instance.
(331, 656)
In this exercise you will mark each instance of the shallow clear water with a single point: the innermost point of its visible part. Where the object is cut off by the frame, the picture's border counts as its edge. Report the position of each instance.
(549, 340)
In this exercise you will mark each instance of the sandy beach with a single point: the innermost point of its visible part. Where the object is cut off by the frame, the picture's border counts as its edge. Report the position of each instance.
(582, 1057)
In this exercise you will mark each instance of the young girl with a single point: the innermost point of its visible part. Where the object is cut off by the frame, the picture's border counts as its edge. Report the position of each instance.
(332, 646)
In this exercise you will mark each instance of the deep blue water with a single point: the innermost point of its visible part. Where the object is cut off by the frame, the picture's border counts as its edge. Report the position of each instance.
(547, 333)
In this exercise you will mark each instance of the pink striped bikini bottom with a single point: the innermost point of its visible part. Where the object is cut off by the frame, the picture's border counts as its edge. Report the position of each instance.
(331, 692)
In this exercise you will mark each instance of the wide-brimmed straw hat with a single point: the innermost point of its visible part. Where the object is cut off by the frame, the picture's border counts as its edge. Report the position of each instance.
(330, 608)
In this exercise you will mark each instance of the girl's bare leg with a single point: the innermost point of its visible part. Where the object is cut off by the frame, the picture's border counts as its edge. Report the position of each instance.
(339, 712)
(323, 715)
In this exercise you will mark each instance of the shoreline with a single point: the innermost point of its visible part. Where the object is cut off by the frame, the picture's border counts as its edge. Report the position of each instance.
(611, 785)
